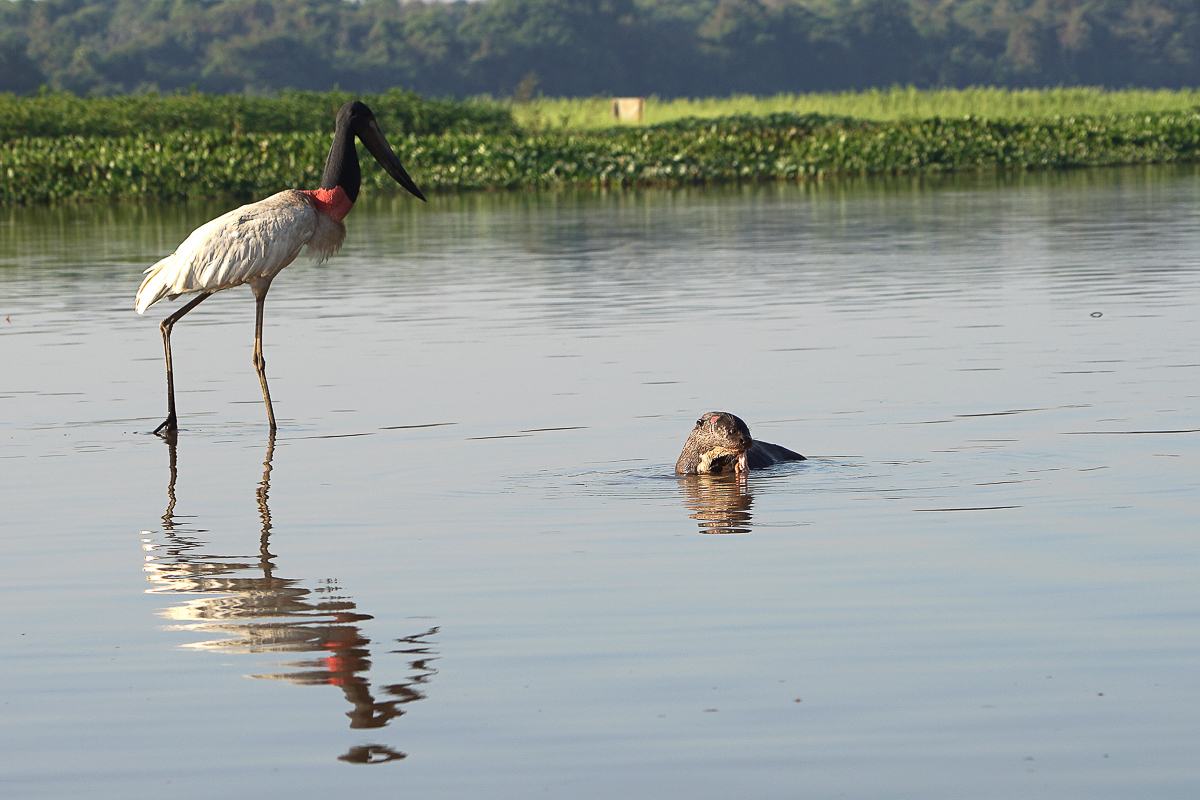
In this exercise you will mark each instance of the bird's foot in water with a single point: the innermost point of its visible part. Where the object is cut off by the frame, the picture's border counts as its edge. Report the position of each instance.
(168, 428)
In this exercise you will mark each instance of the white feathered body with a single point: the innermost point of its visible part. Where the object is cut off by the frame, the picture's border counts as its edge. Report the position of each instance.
(248, 244)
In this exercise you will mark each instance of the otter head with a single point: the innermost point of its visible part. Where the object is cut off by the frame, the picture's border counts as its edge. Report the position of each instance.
(717, 445)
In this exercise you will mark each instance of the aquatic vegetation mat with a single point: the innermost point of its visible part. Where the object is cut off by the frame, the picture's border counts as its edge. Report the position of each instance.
(773, 147)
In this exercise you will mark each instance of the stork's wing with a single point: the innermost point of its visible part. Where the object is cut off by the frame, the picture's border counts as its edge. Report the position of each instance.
(254, 241)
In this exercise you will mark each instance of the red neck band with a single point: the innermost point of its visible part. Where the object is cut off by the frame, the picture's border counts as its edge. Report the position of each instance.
(333, 203)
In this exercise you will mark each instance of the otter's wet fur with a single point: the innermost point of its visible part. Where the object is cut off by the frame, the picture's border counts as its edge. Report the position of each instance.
(721, 444)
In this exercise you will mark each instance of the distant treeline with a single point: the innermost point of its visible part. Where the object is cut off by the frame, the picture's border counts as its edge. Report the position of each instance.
(672, 48)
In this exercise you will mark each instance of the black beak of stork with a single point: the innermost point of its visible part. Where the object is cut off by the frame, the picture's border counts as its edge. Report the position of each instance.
(371, 136)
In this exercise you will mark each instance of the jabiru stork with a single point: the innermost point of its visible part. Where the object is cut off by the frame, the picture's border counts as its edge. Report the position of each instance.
(251, 244)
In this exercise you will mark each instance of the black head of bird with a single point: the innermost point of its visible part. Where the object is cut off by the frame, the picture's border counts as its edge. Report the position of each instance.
(341, 168)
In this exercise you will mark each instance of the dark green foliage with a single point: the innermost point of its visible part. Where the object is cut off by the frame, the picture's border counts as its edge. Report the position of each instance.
(188, 163)
(577, 48)
(60, 114)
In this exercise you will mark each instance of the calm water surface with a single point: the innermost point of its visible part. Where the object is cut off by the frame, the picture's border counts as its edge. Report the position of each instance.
(464, 568)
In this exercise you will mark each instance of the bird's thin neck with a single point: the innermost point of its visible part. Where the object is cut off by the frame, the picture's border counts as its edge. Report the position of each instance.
(341, 168)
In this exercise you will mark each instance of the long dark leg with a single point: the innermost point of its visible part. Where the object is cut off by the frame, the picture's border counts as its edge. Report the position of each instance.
(260, 363)
(171, 424)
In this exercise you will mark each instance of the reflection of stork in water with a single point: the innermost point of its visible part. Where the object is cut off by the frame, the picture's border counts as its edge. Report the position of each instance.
(255, 611)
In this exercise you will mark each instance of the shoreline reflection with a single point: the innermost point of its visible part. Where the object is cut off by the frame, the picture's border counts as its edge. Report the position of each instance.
(241, 600)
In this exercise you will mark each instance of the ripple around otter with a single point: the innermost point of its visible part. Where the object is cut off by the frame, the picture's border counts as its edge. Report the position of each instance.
(465, 569)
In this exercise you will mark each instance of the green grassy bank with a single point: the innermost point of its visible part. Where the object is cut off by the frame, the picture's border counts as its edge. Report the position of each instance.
(879, 105)
(208, 161)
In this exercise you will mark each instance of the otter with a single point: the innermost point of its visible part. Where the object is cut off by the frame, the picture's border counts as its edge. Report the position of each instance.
(720, 444)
